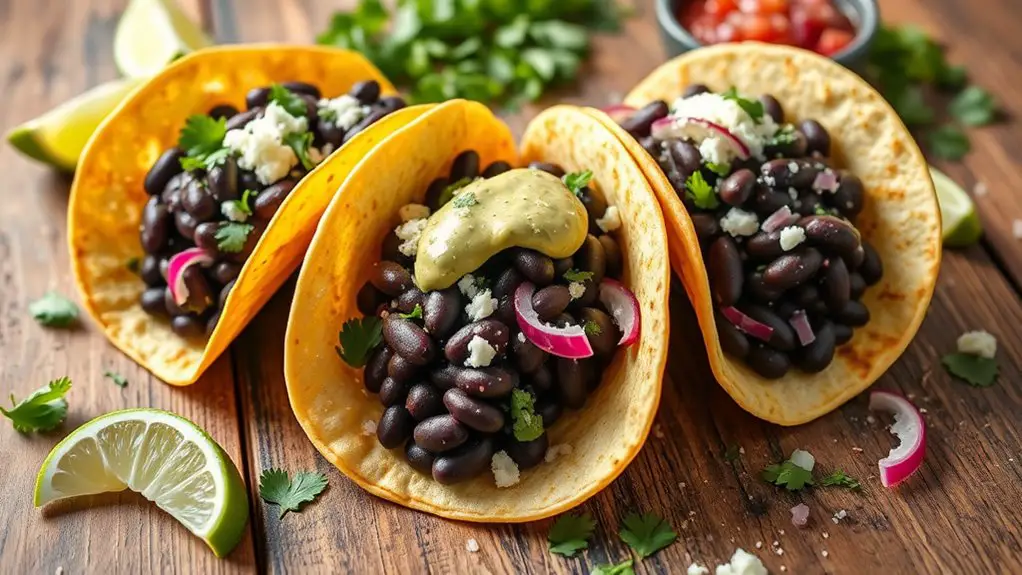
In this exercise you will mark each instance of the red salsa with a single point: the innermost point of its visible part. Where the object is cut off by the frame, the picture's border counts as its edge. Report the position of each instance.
(817, 25)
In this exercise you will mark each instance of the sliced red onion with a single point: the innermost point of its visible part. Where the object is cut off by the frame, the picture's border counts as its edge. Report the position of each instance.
(618, 112)
(623, 307)
(760, 331)
(800, 515)
(909, 428)
(800, 322)
(176, 271)
(826, 181)
(570, 342)
(782, 218)
(670, 127)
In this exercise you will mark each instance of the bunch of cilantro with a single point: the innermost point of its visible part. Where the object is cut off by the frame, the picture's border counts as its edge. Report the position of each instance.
(506, 52)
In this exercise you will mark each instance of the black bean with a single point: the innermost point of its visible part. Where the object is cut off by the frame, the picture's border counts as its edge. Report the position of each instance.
(466, 165)
(572, 382)
(783, 336)
(166, 166)
(464, 463)
(816, 356)
(200, 296)
(185, 224)
(764, 246)
(153, 302)
(806, 204)
(596, 206)
(388, 104)
(836, 284)
(871, 269)
(408, 340)
(528, 357)
(785, 309)
(441, 311)
(391, 250)
(766, 201)
(473, 412)
(547, 167)
(856, 259)
(409, 300)
(509, 280)
(782, 173)
(651, 145)
(527, 454)
(223, 181)
(211, 323)
(390, 278)
(366, 91)
(424, 401)
(758, 291)
(248, 180)
(420, 459)
(303, 88)
(736, 188)
(848, 198)
(224, 293)
(402, 370)
(767, 361)
(445, 377)
(393, 392)
(724, 265)
(856, 285)
(793, 147)
(486, 382)
(831, 234)
(376, 369)
(241, 120)
(197, 201)
(706, 225)
(222, 111)
(149, 270)
(550, 411)
(792, 269)
(496, 168)
(205, 237)
(155, 225)
(551, 301)
(732, 340)
(536, 267)
(268, 201)
(187, 326)
(370, 119)
(842, 333)
(257, 97)
(612, 253)
(591, 258)
(440, 433)
(494, 332)
(772, 107)
(329, 133)
(542, 380)
(258, 228)
(506, 310)
(604, 337)
(817, 138)
(434, 192)
(395, 426)
(680, 159)
(639, 123)
(854, 314)
(695, 90)
(368, 299)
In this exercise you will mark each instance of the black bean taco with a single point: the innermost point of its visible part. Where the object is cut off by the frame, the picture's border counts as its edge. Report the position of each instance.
(502, 331)
(804, 224)
(198, 196)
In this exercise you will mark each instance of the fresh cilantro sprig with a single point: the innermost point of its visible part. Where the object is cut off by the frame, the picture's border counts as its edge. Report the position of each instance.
(949, 142)
(787, 475)
(622, 568)
(975, 370)
(646, 533)
(973, 106)
(700, 191)
(244, 205)
(358, 338)
(42, 410)
(202, 139)
(276, 488)
(118, 379)
(570, 534)
(722, 169)
(292, 103)
(416, 313)
(840, 479)
(300, 142)
(575, 181)
(54, 310)
(527, 424)
(574, 275)
(231, 236)
(754, 108)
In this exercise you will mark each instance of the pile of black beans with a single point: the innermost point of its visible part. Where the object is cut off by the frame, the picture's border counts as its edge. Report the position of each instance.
(451, 419)
(184, 208)
(825, 276)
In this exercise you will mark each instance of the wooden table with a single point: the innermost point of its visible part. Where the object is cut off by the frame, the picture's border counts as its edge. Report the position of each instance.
(960, 514)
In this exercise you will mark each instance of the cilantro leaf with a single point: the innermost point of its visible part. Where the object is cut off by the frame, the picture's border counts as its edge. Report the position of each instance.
(787, 475)
(574, 275)
(118, 379)
(975, 370)
(700, 191)
(300, 142)
(54, 310)
(202, 139)
(465, 200)
(416, 313)
(291, 102)
(840, 479)
(448, 192)
(42, 410)
(782, 137)
(358, 337)
(244, 205)
(231, 236)
(951, 77)
(754, 108)
(570, 534)
(527, 424)
(592, 328)
(909, 103)
(722, 169)
(275, 487)
(646, 534)
(973, 107)
(622, 568)
(575, 181)
(949, 142)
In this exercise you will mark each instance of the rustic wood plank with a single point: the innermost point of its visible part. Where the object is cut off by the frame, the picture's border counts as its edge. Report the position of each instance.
(49, 52)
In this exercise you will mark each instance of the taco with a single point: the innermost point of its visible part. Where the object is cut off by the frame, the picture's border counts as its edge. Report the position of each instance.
(492, 362)
(199, 194)
(803, 220)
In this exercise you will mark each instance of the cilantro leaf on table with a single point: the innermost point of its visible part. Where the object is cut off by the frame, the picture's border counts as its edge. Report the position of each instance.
(949, 142)
(622, 568)
(574, 275)
(275, 487)
(909, 103)
(646, 534)
(416, 313)
(358, 338)
(570, 534)
(975, 370)
(300, 142)
(527, 424)
(840, 479)
(787, 475)
(202, 139)
(700, 191)
(973, 106)
(42, 410)
(575, 181)
(754, 108)
(118, 379)
(292, 103)
(231, 236)
(54, 310)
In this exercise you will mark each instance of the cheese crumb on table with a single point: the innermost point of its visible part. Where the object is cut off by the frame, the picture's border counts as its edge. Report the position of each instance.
(472, 546)
(697, 569)
(742, 563)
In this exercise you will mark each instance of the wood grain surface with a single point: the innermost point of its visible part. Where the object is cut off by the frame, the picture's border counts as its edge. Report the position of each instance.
(960, 514)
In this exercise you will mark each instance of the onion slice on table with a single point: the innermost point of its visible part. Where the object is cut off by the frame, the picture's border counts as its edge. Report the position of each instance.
(180, 262)
(908, 427)
(800, 515)
(570, 342)
(800, 322)
(623, 307)
(780, 219)
(758, 330)
(618, 112)
(826, 181)
(670, 127)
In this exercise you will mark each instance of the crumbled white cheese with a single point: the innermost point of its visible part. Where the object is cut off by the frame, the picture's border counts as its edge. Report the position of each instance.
(839, 516)
(792, 236)
(231, 211)
(803, 459)
(697, 569)
(483, 305)
(480, 352)
(610, 221)
(521, 337)
(409, 234)
(368, 427)
(409, 212)
(259, 145)
(467, 285)
(742, 563)
(979, 343)
(555, 451)
(505, 470)
(576, 289)
(793, 167)
(739, 222)
(472, 546)
(345, 111)
(793, 193)
(726, 113)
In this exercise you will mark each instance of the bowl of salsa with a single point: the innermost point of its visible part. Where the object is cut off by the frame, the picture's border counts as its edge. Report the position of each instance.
(838, 29)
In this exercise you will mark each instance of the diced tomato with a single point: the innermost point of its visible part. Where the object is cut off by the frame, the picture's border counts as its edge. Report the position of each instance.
(781, 27)
(773, 6)
(720, 8)
(833, 41)
(804, 29)
(756, 27)
(726, 33)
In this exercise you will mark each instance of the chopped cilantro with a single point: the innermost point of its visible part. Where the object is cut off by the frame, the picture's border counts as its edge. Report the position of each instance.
(54, 310)
(244, 205)
(275, 487)
(570, 533)
(975, 370)
(448, 193)
(592, 328)
(118, 379)
(821, 210)
(909, 103)
(575, 181)
(574, 275)
(42, 410)
(646, 534)
(622, 568)
(722, 169)
(782, 137)
(840, 479)
(416, 313)
(466, 200)
(973, 107)
(358, 338)
(700, 191)
(202, 139)
(754, 108)
(527, 424)
(291, 102)
(231, 236)
(300, 142)
(949, 142)
(787, 475)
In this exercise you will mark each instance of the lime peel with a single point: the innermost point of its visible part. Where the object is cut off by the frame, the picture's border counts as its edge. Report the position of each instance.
(960, 222)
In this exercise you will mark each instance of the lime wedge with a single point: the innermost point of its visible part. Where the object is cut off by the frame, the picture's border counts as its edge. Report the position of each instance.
(58, 137)
(151, 34)
(961, 226)
(163, 456)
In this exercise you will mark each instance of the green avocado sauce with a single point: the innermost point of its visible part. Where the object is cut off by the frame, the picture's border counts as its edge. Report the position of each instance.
(520, 208)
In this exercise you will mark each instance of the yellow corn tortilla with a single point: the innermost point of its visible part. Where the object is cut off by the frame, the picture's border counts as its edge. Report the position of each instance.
(900, 219)
(107, 196)
(328, 396)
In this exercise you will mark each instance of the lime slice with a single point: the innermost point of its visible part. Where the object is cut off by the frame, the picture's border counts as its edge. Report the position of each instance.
(957, 212)
(165, 457)
(151, 34)
(58, 137)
